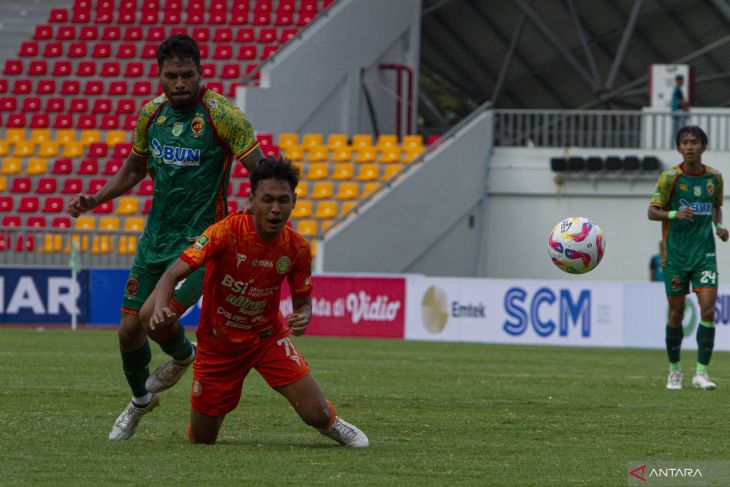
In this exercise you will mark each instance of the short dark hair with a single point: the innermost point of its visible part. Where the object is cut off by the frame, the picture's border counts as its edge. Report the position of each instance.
(274, 168)
(679, 77)
(694, 130)
(178, 46)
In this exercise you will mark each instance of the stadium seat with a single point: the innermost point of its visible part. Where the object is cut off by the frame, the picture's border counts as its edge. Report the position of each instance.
(86, 69)
(6, 203)
(111, 167)
(594, 164)
(46, 186)
(22, 87)
(61, 222)
(38, 67)
(72, 186)
(368, 189)
(632, 163)
(287, 140)
(390, 155)
(128, 205)
(343, 171)
(322, 190)
(244, 189)
(232, 206)
(268, 52)
(308, 228)
(88, 167)
(103, 208)
(46, 87)
(53, 204)
(325, 210)
(147, 206)
(132, 33)
(142, 88)
(37, 166)
(215, 86)
(43, 32)
(239, 171)
(114, 137)
(15, 135)
(386, 141)
(231, 71)
(62, 167)
(312, 140)
(134, 70)
(3, 86)
(11, 166)
(13, 67)
(102, 105)
(58, 16)
(8, 104)
(29, 204)
(317, 171)
(61, 69)
(294, 153)
(90, 33)
(412, 143)
(122, 151)
(247, 52)
(11, 221)
(86, 121)
(93, 88)
(303, 209)
(347, 191)
(650, 163)
(366, 155)
(21, 185)
(391, 170)
(95, 184)
(287, 35)
(101, 50)
(302, 190)
(3, 184)
(28, 49)
(24, 149)
(244, 35)
(63, 121)
(146, 187)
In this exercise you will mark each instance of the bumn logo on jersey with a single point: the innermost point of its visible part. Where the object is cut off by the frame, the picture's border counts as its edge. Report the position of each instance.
(176, 155)
(698, 208)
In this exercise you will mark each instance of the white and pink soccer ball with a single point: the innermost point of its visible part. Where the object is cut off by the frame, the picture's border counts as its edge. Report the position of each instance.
(576, 245)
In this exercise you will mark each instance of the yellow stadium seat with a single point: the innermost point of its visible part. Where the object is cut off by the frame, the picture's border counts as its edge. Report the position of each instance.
(13, 136)
(308, 228)
(4, 148)
(38, 136)
(368, 189)
(343, 154)
(313, 247)
(347, 191)
(366, 154)
(90, 136)
(412, 142)
(326, 209)
(73, 149)
(303, 209)
(83, 222)
(128, 243)
(134, 223)
(337, 141)
(287, 140)
(387, 141)
(390, 171)
(52, 243)
(48, 148)
(12, 165)
(114, 137)
(322, 190)
(64, 136)
(389, 156)
(3, 184)
(411, 154)
(302, 190)
(294, 153)
(102, 244)
(317, 153)
(318, 170)
(312, 140)
(128, 205)
(24, 149)
(325, 224)
(37, 165)
(368, 172)
(108, 223)
(361, 141)
(346, 206)
(343, 171)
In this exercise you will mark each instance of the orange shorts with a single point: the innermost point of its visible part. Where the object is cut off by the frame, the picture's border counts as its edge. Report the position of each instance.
(218, 378)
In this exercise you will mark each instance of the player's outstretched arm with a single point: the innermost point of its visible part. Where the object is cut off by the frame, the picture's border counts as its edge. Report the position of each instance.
(252, 160)
(299, 320)
(132, 172)
(162, 315)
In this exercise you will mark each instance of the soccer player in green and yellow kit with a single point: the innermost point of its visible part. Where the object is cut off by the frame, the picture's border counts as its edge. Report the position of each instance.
(186, 139)
(687, 200)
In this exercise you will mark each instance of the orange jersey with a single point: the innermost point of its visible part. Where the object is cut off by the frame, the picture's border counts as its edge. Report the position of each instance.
(243, 276)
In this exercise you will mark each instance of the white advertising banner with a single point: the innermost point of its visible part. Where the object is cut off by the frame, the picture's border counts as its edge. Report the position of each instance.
(534, 312)
(645, 317)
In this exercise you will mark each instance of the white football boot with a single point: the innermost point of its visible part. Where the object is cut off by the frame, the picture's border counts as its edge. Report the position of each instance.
(674, 381)
(346, 434)
(701, 380)
(169, 373)
(127, 422)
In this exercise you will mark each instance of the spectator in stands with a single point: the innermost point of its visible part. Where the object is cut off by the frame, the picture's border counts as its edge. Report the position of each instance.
(186, 140)
(247, 257)
(687, 200)
(679, 105)
(656, 268)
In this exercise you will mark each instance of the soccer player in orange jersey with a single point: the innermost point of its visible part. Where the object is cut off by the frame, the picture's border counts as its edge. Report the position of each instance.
(246, 258)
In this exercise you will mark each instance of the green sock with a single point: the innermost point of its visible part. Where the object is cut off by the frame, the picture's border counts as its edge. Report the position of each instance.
(675, 366)
(136, 368)
(178, 347)
(705, 344)
(674, 337)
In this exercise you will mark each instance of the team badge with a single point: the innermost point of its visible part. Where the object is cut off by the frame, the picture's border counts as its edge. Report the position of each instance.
(697, 191)
(197, 388)
(212, 103)
(283, 264)
(177, 128)
(197, 125)
(683, 187)
(201, 242)
(710, 188)
(132, 286)
(675, 283)
(160, 120)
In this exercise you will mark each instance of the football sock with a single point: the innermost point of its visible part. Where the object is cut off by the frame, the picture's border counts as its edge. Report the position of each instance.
(178, 347)
(142, 401)
(675, 366)
(705, 343)
(136, 368)
(674, 343)
(333, 414)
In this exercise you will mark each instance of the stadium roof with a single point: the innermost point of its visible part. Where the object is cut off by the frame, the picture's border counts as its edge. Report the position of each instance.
(568, 53)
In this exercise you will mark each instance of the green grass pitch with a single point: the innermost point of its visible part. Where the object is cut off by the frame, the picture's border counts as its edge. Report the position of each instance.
(436, 414)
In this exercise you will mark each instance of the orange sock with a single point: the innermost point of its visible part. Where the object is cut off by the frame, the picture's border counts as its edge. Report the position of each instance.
(333, 414)
(190, 436)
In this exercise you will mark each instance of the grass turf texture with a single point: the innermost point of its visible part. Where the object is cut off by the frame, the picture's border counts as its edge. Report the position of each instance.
(435, 413)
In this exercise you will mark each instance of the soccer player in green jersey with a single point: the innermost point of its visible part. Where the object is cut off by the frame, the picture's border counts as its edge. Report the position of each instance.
(687, 200)
(186, 139)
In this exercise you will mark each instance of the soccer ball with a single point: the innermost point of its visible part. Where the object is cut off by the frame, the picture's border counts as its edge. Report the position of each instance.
(576, 245)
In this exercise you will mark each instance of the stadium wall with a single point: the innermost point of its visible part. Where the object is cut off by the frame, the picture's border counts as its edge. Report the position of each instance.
(323, 74)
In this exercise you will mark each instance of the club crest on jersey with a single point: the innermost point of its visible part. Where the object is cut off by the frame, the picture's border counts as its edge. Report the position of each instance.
(201, 242)
(283, 264)
(160, 120)
(132, 286)
(710, 188)
(683, 187)
(697, 191)
(177, 129)
(197, 125)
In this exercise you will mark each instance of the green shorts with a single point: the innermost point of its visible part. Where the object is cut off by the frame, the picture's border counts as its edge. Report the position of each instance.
(702, 276)
(142, 280)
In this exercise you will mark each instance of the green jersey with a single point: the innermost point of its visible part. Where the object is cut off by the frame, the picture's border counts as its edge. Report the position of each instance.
(189, 156)
(688, 243)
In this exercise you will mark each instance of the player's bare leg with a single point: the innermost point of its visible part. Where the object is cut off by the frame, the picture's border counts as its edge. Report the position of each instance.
(705, 338)
(310, 404)
(204, 428)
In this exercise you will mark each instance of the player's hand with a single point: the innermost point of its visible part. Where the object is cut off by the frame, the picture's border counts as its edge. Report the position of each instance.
(80, 204)
(723, 234)
(298, 323)
(686, 214)
(162, 318)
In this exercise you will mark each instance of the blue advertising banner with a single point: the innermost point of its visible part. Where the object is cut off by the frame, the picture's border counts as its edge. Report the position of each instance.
(39, 296)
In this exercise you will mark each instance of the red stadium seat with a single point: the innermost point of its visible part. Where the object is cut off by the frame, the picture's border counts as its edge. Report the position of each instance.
(11, 221)
(155, 34)
(247, 52)
(58, 16)
(61, 68)
(134, 70)
(90, 33)
(88, 167)
(216, 86)
(13, 67)
(63, 121)
(122, 151)
(53, 204)
(86, 121)
(142, 88)
(101, 50)
(3, 86)
(149, 51)
(126, 106)
(117, 88)
(223, 52)
(28, 49)
(38, 67)
(287, 35)
(223, 34)
(66, 33)
(70, 87)
(53, 50)
(29, 204)
(46, 87)
(95, 185)
(6, 203)
(86, 68)
(126, 51)
(46, 186)
(204, 51)
(209, 71)
(195, 17)
(31, 104)
(56, 105)
(112, 167)
(147, 206)
(232, 89)
(261, 17)
(231, 71)
(244, 34)
(98, 149)
(8, 104)
(20, 185)
(72, 186)
(81, 17)
(15, 120)
(104, 17)
(171, 17)
(76, 49)
(269, 51)
(62, 167)
(266, 36)
(146, 187)
(36, 221)
(22, 87)
(40, 121)
(201, 34)
(79, 105)
(94, 88)
(43, 32)
(110, 33)
(110, 69)
(133, 33)
(130, 121)
(126, 17)
(61, 222)
(110, 121)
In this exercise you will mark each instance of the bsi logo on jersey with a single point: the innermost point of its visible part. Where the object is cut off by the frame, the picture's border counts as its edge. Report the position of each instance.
(697, 208)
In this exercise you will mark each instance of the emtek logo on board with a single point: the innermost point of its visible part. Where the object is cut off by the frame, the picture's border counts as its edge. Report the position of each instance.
(436, 309)
(179, 156)
(537, 311)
